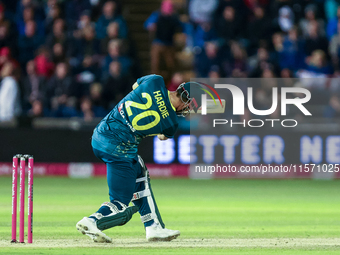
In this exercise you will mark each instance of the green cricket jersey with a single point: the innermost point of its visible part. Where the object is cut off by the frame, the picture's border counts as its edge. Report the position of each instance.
(145, 111)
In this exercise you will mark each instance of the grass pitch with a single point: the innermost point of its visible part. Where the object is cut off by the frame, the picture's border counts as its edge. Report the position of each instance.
(214, 217)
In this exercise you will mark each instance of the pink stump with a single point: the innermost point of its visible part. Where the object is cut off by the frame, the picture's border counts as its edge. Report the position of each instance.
(30, 200)
(14, 198)
(22, 200)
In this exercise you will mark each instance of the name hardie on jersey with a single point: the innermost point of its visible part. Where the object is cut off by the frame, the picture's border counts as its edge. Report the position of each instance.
(161, 105)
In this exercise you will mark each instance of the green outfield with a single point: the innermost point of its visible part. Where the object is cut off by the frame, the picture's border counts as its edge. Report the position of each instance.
(214, 216)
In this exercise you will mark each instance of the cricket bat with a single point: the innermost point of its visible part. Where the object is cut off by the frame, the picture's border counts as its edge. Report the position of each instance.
(212, 107)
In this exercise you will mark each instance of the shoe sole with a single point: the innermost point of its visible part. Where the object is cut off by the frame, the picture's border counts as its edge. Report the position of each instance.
(96, 237)
(163, 239)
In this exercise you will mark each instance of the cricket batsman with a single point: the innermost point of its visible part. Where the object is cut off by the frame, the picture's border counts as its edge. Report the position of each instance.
(148, 110)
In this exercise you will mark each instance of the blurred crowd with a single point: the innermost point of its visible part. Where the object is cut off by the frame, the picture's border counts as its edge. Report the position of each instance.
(75, 58)
(63, 58)
(255, 39)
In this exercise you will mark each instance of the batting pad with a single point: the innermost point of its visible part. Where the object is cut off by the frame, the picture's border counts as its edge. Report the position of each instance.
(145, 199)
(118, 219)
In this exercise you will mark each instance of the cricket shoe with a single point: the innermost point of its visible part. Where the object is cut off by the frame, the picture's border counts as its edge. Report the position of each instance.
(88, 227)
(155, 233)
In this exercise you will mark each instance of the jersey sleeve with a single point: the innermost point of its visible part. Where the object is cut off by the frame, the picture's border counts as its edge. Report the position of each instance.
(170, 132)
